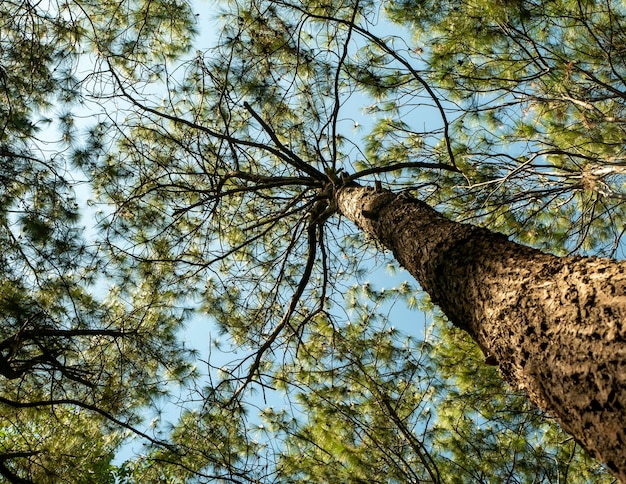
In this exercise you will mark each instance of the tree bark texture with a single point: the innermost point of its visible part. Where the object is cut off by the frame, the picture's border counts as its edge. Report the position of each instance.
(555, 325)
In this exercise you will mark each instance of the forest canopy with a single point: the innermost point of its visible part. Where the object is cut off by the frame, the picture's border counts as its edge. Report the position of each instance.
(169, 166)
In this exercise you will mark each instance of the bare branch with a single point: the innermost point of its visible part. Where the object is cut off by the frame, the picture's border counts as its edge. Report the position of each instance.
(295, 299)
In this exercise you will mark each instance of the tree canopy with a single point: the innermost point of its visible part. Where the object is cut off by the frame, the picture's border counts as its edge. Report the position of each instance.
(151, 181)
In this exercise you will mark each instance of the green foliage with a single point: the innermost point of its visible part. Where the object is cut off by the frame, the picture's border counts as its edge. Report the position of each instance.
(77, 360)
(541, 123)
(211, 177)
(64, 444)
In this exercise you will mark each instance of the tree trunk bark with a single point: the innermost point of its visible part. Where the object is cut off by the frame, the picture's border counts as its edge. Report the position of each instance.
(554, 325)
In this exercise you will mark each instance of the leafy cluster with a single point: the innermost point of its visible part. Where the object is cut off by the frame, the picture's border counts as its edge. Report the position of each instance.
(538, 89)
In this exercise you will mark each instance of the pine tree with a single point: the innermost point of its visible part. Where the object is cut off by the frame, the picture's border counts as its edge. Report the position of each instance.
(77, 361)
(237, 185)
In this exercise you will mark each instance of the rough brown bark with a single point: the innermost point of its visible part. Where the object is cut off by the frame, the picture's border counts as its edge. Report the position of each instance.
(555, 325)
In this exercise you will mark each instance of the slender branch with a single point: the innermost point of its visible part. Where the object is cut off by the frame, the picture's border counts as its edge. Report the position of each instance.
(419, 448)
(400, 166)
(86, 406)
(295, 299)
(383, 45)
(337, 104)
(446, 125)
(291, 157)
(14, 455)
(70, 333)
(283, 153)
(293, 180)
(218, 195)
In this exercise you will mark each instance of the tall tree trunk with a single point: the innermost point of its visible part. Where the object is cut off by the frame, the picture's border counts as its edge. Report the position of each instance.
(554, 325)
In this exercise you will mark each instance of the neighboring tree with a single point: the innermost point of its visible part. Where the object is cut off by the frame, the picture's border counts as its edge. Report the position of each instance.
(77, 360)
(224, 185)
